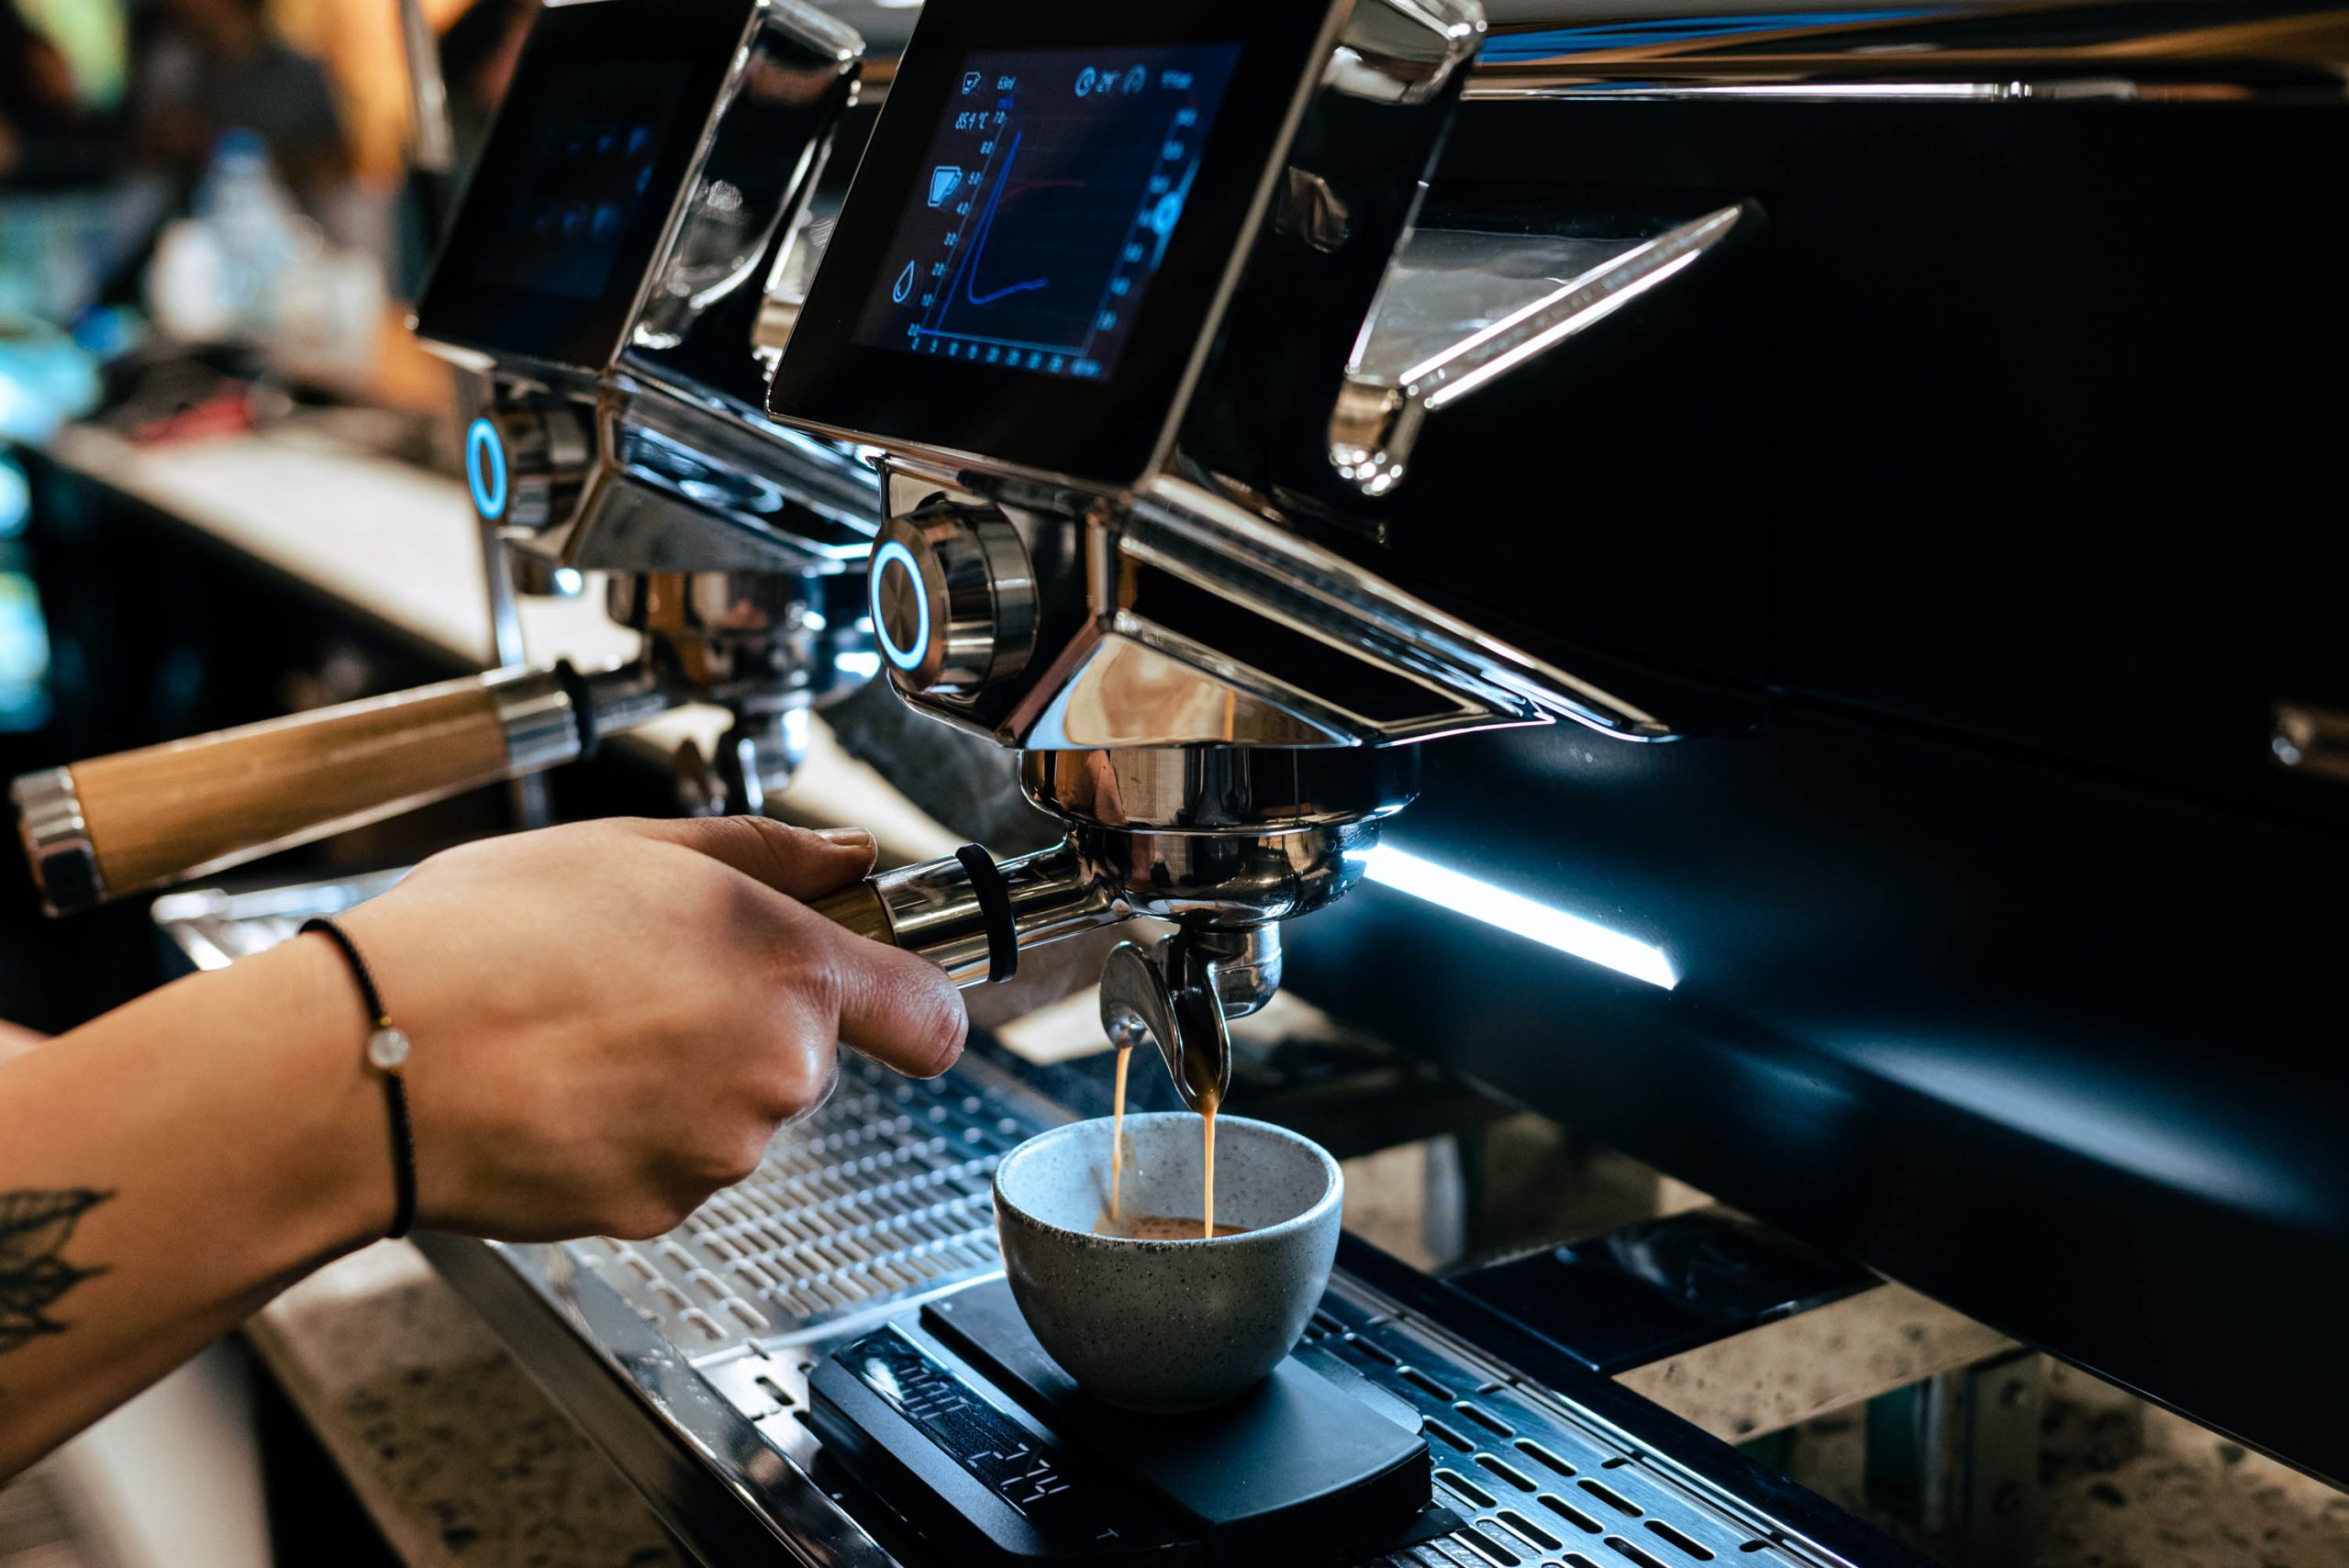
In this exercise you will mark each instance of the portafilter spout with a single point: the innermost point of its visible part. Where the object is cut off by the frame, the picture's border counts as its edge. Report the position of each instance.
(1225, 842)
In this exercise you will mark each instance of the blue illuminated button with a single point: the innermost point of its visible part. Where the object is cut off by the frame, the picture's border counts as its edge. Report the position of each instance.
(900, 605)
(486, 473)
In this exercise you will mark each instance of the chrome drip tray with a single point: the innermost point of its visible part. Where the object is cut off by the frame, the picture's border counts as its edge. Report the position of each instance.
(1537, 1484)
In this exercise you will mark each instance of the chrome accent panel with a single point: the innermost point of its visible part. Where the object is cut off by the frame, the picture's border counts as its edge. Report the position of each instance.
(1192, 699)
(1220, 789)
(534, 709)
(214, 927)
(1198, 533)
(1999, 52)
(1404, 369)
(57, 841)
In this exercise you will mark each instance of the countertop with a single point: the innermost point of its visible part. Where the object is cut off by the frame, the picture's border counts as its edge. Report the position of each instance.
(454, 1453)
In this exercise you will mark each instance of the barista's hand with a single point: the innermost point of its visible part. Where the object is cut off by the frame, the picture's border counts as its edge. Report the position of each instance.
(611, 1020)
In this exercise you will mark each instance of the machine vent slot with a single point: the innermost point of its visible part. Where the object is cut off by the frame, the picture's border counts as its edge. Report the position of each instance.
(1613, 1499)
(1488, 1462)
(1424, 1383)
(1571, 1514)
(1545, 1458)
(1680, 1540)
(1445, 1435)
(1486, 1418)
(1633, 1552)
(1482, 1540)
(881, 1195)
(1454, 1481)
(1533, 1535)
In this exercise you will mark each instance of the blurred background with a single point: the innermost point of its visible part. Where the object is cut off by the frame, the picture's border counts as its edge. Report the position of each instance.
(210, 229)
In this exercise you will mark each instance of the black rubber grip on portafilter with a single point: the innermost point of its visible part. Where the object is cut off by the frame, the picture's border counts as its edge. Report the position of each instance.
(995, 907)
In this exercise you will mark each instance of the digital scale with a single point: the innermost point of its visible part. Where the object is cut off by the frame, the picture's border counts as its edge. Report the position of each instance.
(979, 1439)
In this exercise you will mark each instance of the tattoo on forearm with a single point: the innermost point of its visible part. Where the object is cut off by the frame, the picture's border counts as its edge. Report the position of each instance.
(34, 1275)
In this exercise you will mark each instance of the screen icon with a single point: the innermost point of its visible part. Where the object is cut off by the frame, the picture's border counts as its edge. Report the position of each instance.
(944, 181)
(1136, 79)
(905, 284)
(971, 82)
(1086, 80)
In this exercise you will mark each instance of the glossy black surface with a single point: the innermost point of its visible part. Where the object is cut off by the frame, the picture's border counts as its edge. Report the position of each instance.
(2060, 1053)
(1656, 1287)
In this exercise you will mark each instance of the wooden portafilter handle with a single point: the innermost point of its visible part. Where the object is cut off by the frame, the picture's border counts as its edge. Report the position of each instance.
(145, 818)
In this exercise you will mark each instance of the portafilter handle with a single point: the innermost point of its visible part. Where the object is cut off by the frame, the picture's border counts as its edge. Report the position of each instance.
(110, 825)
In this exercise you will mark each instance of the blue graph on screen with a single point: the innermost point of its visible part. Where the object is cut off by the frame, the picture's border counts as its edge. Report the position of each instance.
(1052, 189)
(986, 226)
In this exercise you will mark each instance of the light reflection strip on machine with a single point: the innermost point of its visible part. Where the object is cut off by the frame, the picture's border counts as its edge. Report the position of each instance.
(1535, 922)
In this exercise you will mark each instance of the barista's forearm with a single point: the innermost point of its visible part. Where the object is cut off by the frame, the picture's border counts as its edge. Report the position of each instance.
(166, 1169)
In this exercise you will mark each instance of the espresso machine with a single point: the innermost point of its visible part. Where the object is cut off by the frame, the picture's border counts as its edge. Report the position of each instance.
(623, 260)
(1649, 513)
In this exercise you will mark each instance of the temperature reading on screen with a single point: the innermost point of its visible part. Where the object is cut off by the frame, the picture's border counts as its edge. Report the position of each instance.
(1045, 206)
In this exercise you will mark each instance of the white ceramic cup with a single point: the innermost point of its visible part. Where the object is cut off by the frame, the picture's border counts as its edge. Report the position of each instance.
(1173, 1325)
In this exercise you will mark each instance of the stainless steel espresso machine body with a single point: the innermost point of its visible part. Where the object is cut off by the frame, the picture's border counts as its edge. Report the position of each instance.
(1038, 295)
(623, 267)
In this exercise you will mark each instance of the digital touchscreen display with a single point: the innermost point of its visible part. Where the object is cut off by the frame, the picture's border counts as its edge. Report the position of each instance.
(1053, 183)
(599, 132)
(579, 174)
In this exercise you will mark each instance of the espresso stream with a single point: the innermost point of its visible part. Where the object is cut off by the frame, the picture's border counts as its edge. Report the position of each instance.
(1155, 1226)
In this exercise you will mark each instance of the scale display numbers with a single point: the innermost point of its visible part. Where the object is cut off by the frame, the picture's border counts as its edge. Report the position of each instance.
(1053, 183)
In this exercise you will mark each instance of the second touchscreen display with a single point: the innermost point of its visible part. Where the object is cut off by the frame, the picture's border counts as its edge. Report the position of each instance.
(1044, 207)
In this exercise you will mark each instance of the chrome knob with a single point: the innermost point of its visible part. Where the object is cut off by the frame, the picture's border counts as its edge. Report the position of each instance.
(953, 599)
(526, 464)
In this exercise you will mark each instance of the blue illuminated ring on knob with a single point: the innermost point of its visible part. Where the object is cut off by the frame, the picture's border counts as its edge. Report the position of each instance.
(903, 658)
(485, 469)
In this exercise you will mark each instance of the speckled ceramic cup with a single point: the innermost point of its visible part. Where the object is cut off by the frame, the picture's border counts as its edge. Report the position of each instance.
(1167, 1326)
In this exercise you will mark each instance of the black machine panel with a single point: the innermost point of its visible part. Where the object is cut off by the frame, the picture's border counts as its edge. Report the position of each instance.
(2001, 936)
(985, 237)
(548, 252)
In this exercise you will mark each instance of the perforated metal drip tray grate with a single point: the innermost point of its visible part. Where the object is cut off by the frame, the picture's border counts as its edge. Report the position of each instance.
(880, 1197)
(1535, 1484)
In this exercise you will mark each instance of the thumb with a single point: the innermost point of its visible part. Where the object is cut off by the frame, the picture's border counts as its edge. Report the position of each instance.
(799, 863)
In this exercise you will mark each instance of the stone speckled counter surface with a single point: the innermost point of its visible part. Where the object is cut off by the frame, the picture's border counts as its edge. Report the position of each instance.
(451, 1446)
